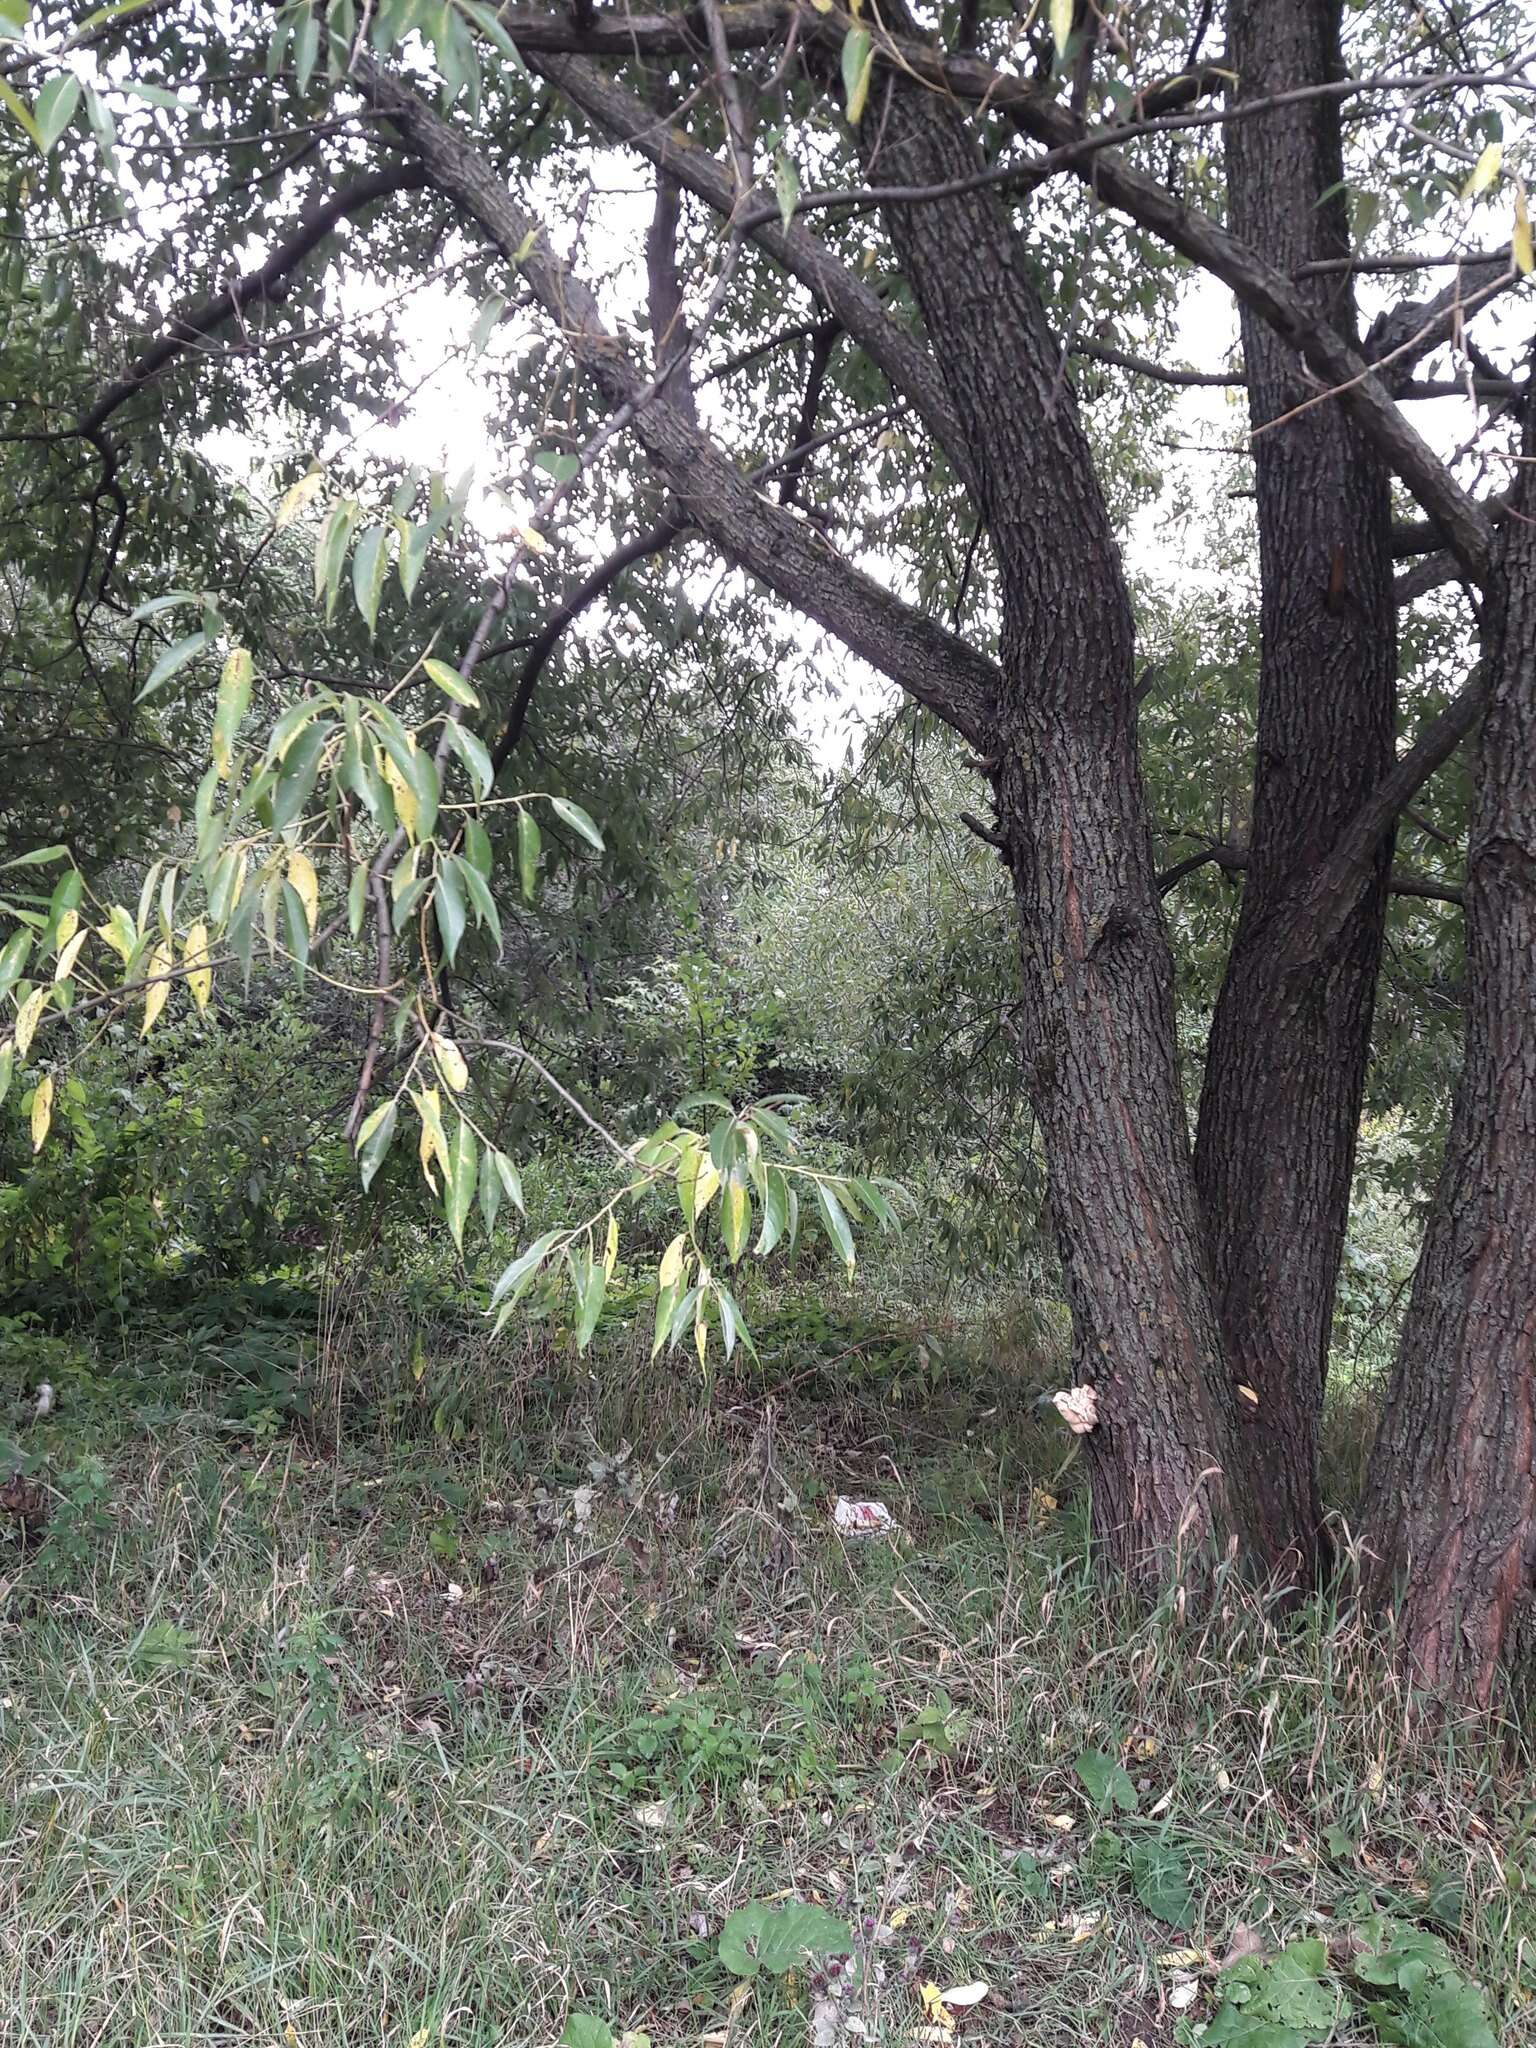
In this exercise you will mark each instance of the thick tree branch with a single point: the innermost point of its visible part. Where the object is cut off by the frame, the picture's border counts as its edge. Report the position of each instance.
(1333, 887)
(905, 362)
(772, 544)
(1338, 367)
(1331, 359)
(1233, 860)
(1409, 332)
(268, 281)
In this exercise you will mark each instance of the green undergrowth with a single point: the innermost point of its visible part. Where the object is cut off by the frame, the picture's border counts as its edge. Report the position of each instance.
(323, 1720)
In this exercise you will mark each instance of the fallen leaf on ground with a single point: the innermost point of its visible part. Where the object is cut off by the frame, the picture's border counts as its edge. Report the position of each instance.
(1244, 1941)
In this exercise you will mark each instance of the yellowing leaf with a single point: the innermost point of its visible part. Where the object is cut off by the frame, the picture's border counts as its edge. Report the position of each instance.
(231, 706)
(1061, 24)
(158, 992)
(935, 2011)
(199, 978)
(858, 69)
(69, 954)
(42, 1111)
(533, 540)
(297, 496)
(450, 1063)
(68, 925)
(1484, 171)
(27, 1019)
(959, 1997)
(306, 886)
(1182, 1959)
(670, 1270)
(611, 1246)
(704, 1187)
(433, 1144)
(1063, 1823)
(407, 809)
(1520, 242)
(119, 931)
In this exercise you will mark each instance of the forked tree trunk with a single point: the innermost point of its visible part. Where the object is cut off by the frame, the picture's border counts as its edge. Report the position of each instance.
(1101, 1069)
(1285, 1068)
(1451, 1498)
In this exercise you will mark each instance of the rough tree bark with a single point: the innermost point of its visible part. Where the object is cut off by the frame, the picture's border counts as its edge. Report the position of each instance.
(1286, 1064)
(1100, 1060)
(1451, 1496)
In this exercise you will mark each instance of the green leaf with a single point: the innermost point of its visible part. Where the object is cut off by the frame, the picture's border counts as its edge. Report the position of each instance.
(778, 1939)
(578, 820)
(858, 64)
(174, 658)
(1449, 2014)
(836, 1222)
(786, 185)
(330, 549)
(463, 1168)
(520, 1274)
(448, 907)
(450, 682)
(162, 1646)
(306, 47)
(490, 1188)
(357, 899)
(775, 1211)
(296, 928)
(21, 112)
(370, 565)
(472, 752)
(477, 848)
(55, 108)
(374, 1140)
(1161, 1882)
(528, 844)
(589, 1282)
(563, 468)
(415, 544)
(511, 1181)
(1107, 1781)
(486, 321)
(480, 896)
(39, 857)
(1061, 24)
(299, 773)
(583, 2031)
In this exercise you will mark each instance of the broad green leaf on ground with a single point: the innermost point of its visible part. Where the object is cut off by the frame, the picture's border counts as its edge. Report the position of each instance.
(779, 1938)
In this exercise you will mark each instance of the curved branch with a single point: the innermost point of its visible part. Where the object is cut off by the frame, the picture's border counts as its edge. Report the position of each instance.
(773, 544)
(587, 592)
(907, 365)
(268, 281)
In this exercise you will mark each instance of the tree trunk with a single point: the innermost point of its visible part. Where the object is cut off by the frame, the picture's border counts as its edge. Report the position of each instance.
(1285, 1068)
(1451, 1496)
(1101, 1067)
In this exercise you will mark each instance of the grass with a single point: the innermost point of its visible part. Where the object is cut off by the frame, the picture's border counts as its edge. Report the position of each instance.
(335, 1746)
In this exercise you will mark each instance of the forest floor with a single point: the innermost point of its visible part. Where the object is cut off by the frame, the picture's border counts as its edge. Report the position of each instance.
(408, 1741)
